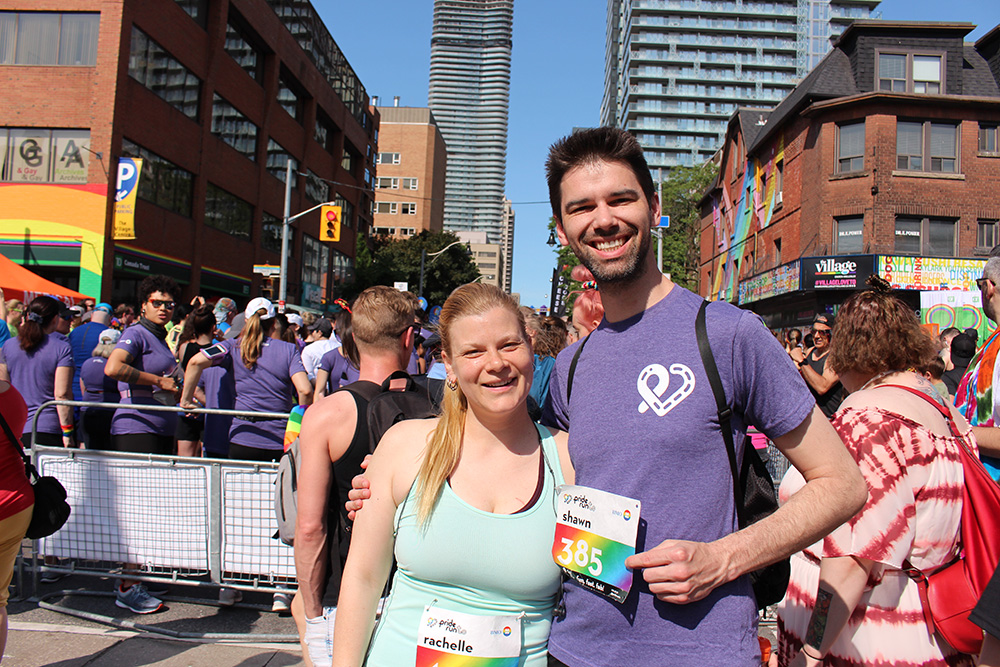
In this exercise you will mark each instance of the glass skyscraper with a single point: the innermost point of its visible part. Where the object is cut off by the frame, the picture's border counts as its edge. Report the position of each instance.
(468, 94)
(676, 70)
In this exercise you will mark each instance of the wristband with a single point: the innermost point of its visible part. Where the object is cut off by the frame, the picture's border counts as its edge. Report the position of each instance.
(66, 430)
(806, 653)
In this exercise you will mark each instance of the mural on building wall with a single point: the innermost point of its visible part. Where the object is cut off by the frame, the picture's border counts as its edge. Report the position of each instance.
(55, 225)
(736, 218)
(959, 309)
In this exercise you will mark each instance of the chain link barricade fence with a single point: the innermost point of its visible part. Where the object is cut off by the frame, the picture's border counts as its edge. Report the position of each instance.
(177, 520)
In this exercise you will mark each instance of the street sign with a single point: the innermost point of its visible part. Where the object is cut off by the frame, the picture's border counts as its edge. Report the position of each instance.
(664, 221)
(266, 270)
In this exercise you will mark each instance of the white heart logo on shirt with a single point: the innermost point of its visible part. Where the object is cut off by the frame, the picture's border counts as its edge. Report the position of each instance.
(651, 396)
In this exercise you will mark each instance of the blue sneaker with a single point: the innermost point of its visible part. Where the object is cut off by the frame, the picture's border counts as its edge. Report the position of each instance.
(154, 589)
(137, 599)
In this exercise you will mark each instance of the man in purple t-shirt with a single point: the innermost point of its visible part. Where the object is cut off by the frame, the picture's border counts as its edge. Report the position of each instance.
(643, 424)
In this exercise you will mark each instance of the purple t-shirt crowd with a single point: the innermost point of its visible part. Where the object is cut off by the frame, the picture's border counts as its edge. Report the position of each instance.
(627, 439)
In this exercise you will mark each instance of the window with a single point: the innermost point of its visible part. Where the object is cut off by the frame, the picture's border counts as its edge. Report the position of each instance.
(986, 234)
(158, 71)
(270, 238)
(315, 258)
(779, 182)
(227, 212)
(933, 237)
(162, 182)
(407, 231)
(777, 252)
(196, 9)
(387, 183)
(850, 147)
(387, 158)
(386, 207)
(349, 158)
(316, 188)
(233, 127)
(408, 208)
(988, 138)
(382, 231)
(277, 161)
(850, 235)
(324, 133)
(409, 184)
(926, 146)
(288, 98)
(910, 73)
(37, 155)
(241, 50)
(49, 38)
(346, 211)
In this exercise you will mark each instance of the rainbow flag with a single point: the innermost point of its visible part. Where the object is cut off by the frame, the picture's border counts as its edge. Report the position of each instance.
(294, 425)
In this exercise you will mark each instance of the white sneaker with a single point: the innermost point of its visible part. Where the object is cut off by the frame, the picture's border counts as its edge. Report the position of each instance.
(229, 596)
(281, 603)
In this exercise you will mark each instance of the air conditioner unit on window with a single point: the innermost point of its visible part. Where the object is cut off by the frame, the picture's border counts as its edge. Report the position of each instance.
(777, 198)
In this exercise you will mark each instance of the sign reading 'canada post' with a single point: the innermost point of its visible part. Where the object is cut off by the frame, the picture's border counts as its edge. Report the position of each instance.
(837, 272)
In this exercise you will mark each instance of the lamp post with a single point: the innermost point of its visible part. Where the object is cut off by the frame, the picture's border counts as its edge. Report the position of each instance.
(423, 257)
(286, 220)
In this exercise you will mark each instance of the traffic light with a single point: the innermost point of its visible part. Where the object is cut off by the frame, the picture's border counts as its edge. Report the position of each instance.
(329, 224)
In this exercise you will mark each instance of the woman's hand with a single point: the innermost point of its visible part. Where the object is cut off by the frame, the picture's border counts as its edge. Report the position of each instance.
(168, 383)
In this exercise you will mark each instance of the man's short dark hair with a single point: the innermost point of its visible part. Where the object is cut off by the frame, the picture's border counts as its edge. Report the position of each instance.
(600, 144)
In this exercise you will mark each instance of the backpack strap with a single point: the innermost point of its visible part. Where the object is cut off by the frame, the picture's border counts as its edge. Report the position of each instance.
(725, 412)
(572, 368)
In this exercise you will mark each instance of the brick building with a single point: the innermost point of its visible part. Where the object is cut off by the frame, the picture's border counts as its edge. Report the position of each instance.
(409, 195)
(883, 160)
(216, 96)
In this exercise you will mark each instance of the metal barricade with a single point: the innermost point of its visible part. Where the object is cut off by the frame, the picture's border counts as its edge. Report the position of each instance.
(179, 520)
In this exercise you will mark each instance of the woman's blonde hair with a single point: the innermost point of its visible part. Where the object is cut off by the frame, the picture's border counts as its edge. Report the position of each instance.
(255, 330)
(444, 444)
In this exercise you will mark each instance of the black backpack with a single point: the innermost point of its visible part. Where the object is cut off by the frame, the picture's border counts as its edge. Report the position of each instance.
(386, 408)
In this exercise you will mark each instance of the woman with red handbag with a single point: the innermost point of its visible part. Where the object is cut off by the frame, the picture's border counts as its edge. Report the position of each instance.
(850, 600)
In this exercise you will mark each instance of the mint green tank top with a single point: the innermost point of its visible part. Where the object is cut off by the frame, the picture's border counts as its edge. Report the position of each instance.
(468, 560)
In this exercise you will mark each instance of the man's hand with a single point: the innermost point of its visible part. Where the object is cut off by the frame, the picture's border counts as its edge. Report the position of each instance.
(360, 491)
(679, 571)
(797, 355)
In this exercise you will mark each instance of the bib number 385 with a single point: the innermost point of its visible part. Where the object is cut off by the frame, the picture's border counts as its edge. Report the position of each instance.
(581, 554)
(595, 533)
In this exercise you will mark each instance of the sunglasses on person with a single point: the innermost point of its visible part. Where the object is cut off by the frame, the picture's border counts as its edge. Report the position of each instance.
(981, 283)
(822, 332)
(157, 303)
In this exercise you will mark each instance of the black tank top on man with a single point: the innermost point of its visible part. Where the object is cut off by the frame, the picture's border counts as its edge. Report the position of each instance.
(828, 402)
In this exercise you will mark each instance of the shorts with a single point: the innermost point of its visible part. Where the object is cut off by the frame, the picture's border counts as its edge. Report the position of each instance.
(190, 428)
(245, 453)
(143, 443)
(12, 530)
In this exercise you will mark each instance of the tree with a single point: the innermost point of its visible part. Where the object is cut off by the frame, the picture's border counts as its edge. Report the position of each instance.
(389, 260)
(679, 197)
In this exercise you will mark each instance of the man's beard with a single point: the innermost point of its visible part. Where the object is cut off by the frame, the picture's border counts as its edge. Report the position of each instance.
(624, 269)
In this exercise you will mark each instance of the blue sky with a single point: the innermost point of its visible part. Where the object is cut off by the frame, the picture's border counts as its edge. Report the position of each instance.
(557, 78)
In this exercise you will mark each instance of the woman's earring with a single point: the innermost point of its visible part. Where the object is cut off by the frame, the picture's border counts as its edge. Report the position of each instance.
(451, 383)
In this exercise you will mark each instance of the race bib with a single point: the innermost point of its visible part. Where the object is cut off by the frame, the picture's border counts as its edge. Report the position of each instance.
(467, 640)
(595, 533)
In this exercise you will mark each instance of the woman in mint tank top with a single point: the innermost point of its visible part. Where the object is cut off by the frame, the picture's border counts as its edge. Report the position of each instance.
(465, 502)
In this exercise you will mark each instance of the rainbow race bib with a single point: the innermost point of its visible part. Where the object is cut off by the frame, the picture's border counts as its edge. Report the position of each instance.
(595, 533)
(454, 639)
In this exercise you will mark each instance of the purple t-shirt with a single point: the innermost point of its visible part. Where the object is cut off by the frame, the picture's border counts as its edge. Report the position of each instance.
(149, 355)
(217, 383)
(34, 376)
(98, 387)
(625, 438)
(267, 387)
(339, 368)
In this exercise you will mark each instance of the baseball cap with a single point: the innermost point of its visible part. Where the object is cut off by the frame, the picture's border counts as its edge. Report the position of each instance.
(324, 326)
(296, 319)
(823, 318)
(963, 348)
(109, 337)
(259, 303)
(106, 307)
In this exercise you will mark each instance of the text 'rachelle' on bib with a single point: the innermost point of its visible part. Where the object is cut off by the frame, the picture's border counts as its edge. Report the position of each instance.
(595, 533)
(455, 639)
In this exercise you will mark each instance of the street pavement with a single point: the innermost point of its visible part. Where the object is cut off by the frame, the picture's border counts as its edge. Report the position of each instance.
(40, 636)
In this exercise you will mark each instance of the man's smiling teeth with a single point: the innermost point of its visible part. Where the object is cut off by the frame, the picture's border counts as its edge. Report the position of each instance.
(609, 245)
(499, 384)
